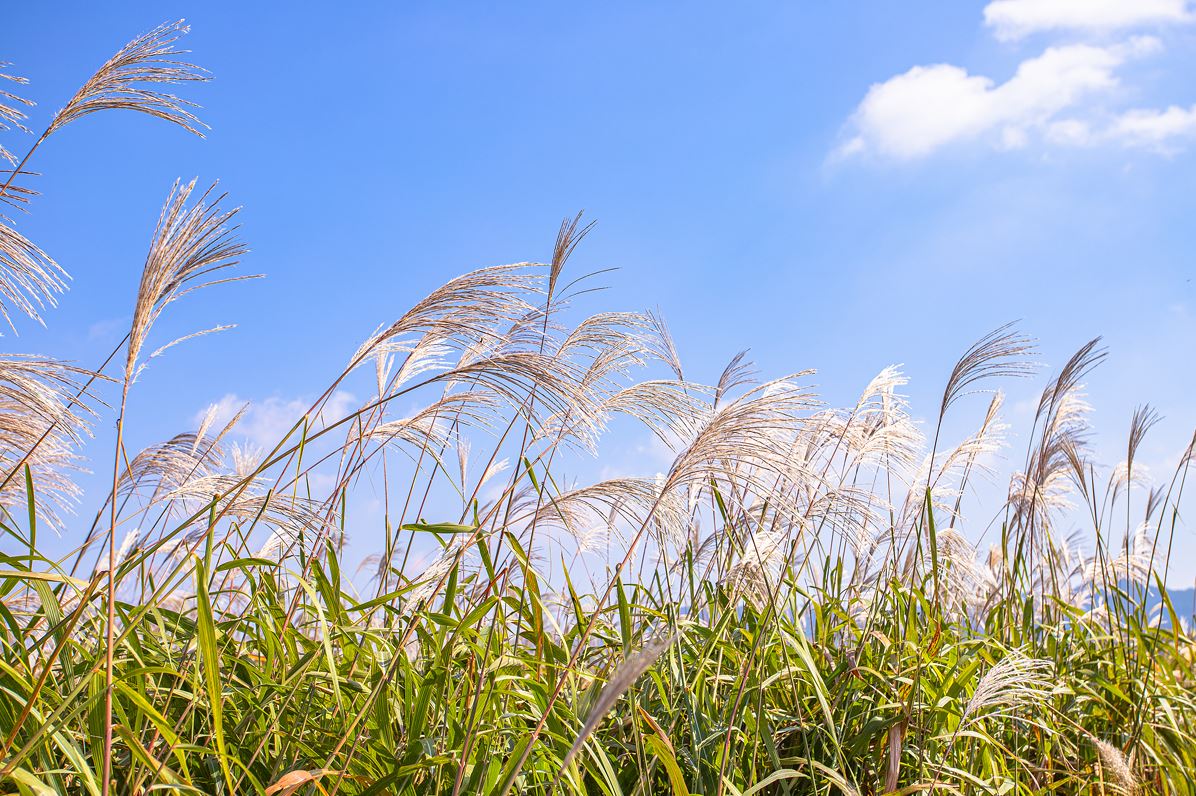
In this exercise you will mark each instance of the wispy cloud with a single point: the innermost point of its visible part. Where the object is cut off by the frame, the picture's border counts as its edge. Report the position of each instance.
(1157, 129)
(1014, 19)
(1065, 96)
(267, 421)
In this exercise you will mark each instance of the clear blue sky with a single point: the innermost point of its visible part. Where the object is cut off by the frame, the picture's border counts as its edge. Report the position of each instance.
(770, 175)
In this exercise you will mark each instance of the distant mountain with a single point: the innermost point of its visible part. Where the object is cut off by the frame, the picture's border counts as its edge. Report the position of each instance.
(1183, 600)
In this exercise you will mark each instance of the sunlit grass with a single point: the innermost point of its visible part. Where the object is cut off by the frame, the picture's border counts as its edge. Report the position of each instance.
(794, 605)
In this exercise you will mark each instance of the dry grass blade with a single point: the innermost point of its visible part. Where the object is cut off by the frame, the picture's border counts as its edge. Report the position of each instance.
(125, 80)
(294, 780)
(623, 678)
(190, 244)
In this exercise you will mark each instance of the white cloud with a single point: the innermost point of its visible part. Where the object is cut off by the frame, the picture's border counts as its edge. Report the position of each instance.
(266, 422)
(1155, 129)
(1162, 131)
(1066, 97)
(914, 114)
(1012, 19)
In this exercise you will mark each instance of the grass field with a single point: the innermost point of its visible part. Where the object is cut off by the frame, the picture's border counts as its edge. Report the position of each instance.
(794, 606)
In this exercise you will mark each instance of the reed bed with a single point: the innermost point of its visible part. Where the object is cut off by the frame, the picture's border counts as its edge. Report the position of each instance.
(794, 605)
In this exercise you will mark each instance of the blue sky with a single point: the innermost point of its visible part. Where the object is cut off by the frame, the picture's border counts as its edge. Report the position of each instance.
(836, 186)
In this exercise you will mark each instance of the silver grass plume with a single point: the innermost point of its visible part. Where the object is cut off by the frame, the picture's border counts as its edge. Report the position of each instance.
(166, 466)
(29, 279)
(567, 240)
(190, 244)
(948, 472)
(637, 501)
(883, 384)
(429, 428)
(1000, 353)
(1125, 476)
(965, 583)
(1116, 768)
(630, 331)
(513, 375)
(427, 584)
(429, 354)
(465, 312)
(670, 515)
(756, 572)
(666, 347)
(1046, 485)
(44, 416)
(129, 79)
(592, 538)
(1066, 571)
(276, 544)
(463, 448)
(493, 467)
(751, 437)
(971, 455)
(1133, 564)
(602, 365)
(205, 422)
(1129, 472)
(1017, 680)
(13, 195)
(530, 331)
(880, 431)
(669, 409)
(245, 459)
(127, 545)
(10, 114)
(295, 518)
(738, 373)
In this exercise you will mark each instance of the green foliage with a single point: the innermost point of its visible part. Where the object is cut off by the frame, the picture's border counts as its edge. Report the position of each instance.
(227, 695)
